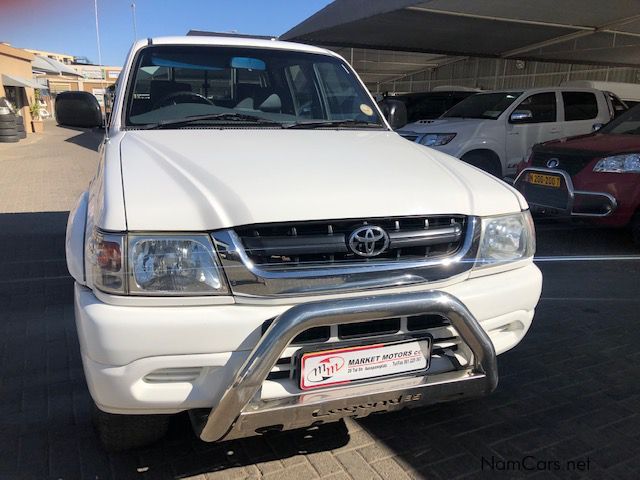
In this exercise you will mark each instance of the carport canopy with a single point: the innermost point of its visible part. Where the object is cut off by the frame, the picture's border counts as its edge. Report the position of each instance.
(592, 32)
(15, 81)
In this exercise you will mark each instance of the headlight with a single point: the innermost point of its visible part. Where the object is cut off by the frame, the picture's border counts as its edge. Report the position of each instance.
(506, 238)
(436, 139)
(628, 163)
(174, 265)
(155, 265)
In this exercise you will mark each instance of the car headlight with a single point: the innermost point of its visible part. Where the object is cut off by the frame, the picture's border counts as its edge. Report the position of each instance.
(627, 163)
(506, 238)
(174, 265)
(155, 265)
(436, 139)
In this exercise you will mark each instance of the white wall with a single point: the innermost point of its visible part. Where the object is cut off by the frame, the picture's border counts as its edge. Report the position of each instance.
(491, 74)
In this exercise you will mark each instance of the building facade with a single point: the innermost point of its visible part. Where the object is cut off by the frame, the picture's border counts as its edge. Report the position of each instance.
(16, 80)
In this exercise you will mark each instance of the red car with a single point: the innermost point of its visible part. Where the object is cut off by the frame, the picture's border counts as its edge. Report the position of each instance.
(595, 176)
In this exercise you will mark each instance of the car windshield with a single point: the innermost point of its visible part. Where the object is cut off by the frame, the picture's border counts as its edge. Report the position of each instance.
(428, 106)
(218, 86)
(626, 124)
(483, 105)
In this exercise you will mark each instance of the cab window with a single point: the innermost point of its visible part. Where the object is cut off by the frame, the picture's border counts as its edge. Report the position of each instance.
(579, 106)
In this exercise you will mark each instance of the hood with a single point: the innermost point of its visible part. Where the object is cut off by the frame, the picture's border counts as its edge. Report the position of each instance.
(597, 143)
(442, 125)
(205, 179)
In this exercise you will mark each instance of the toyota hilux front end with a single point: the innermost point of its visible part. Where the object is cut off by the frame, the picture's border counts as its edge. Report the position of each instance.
(259, 249)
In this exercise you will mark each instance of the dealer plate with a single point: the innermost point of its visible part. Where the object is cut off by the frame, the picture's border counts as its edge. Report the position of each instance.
(544, 180)
(346, 365)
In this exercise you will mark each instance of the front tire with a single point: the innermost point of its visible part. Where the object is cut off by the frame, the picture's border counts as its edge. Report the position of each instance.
(125, 432)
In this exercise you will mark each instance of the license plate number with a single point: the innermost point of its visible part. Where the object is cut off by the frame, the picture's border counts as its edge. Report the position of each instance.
(544, 180)
(345, 365)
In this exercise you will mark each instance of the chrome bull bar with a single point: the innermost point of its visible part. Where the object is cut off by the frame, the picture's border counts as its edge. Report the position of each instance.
(238, 412)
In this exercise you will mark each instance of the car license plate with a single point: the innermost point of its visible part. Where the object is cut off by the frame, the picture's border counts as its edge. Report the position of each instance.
(345, 365)
(544, 180)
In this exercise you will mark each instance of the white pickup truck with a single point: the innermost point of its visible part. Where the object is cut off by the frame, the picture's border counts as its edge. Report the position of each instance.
(495, 131)
(260, 249)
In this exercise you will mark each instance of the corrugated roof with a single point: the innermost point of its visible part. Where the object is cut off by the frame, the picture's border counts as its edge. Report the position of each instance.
(571, 31)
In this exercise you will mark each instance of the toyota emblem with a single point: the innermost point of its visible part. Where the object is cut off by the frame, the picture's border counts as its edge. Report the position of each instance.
(368, 241)
(553, 163)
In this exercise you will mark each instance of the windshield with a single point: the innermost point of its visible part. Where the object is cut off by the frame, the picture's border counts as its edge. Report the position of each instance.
(248, 85)
(626, 124)
(483, 105)
(428, 106)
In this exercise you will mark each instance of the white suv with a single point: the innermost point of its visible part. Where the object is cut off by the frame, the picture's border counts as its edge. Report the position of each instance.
(496, 130)
(259, 248)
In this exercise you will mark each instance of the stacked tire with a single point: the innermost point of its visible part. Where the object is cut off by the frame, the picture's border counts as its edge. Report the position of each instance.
(22, 133)
(9, 128)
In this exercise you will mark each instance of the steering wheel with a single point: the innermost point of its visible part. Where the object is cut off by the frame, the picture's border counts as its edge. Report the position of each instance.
(191, 97)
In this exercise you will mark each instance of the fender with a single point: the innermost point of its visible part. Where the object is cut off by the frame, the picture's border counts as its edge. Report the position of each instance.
(74, 243)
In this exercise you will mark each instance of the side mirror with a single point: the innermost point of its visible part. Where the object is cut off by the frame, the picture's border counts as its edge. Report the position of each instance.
(521, 116)
(78, 109)
(394, 111)
(597, 126)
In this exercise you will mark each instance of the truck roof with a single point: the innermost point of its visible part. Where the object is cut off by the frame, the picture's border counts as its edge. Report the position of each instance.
(561, 88)
(233, 41)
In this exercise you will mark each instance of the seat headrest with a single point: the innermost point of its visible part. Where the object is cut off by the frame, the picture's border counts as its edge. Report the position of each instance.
(246, 104)
(272, 104)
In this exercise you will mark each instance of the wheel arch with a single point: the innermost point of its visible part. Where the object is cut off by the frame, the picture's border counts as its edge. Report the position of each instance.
(75, 237)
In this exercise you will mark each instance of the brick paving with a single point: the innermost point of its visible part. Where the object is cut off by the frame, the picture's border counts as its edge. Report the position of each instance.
(568, 394)
(48, 171)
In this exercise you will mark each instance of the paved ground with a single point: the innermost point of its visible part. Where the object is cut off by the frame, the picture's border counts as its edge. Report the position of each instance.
(47, 172)
(568, 403)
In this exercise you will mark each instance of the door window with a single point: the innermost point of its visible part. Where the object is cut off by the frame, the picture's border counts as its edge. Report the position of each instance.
(542, 107)
(340, 92)
(579, 106)
(304, 93)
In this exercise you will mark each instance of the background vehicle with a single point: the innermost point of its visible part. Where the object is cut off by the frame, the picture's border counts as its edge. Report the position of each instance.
(594, 177)
(247, 248)
(430, 105)
(623, 95)
(496, 130)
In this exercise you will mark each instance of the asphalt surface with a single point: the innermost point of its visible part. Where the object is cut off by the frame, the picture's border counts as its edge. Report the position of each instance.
(567, 406)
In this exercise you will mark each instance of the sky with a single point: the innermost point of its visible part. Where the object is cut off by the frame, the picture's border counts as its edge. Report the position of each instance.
(68, 26)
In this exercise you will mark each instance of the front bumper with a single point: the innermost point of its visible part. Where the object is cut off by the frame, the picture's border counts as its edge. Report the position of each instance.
(122, 345)
(238, 411)
(564, 200)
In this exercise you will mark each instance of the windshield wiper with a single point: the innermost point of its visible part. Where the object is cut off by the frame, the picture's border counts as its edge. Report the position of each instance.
(227, 116)
(333, 123)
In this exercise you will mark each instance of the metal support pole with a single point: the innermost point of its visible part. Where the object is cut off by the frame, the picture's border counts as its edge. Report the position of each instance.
(133, 15)
(95, 7)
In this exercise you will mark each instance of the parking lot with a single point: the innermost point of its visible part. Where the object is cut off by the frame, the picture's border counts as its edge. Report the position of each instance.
(567, 405)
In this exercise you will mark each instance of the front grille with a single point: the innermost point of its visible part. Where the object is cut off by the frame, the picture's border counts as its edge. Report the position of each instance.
(279, 245)
(570, 162)
(445, 338)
